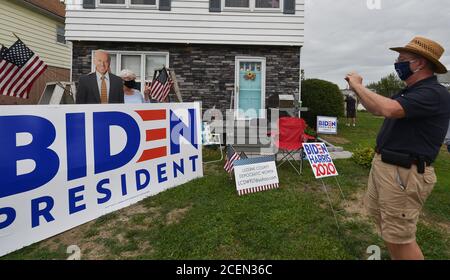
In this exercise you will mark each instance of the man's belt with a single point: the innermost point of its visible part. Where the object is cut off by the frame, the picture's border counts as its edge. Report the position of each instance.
(403, 160)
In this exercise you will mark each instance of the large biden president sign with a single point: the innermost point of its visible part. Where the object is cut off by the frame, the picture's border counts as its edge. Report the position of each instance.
(62, 166)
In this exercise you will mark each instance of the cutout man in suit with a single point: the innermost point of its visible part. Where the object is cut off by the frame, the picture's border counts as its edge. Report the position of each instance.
(100, 87)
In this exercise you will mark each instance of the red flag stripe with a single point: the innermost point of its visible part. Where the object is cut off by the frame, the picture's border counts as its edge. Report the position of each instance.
(26, 76)
(3, 65)
(10, 72)
(5, 69)
(166, 92)
(32, 76)
(158, 91)
(229, 165)
(6, 73)
(155, 87)
(23, 71)
(16, 74)
(23, 93)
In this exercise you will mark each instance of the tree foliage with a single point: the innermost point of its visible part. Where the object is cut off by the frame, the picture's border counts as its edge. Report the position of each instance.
(323, 98)
(388, 85)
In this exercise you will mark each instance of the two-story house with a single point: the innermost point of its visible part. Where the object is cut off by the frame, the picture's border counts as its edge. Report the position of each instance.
(216, 47)
(40, 25)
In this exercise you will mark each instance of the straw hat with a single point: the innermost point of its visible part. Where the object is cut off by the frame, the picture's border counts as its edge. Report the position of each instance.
(426, 48)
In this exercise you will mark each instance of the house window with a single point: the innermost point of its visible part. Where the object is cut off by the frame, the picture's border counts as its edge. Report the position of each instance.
(133, 63)
(113, 64)
(112, 2)
(267, 4)
(152, 63)
(143, 2)
(253, 5)
(237, 3)
(127, 3)
(60, 36)
(143, 64)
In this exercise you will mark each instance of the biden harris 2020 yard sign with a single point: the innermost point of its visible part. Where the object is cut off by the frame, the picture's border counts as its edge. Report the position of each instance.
(62, 166)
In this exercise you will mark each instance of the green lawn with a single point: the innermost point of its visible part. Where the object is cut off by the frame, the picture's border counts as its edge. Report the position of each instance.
(205, 219)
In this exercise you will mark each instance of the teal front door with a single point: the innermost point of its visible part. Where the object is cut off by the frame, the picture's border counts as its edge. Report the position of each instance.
(250, 98)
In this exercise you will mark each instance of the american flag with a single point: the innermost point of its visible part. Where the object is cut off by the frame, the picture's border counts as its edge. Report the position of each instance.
(20, 67)
(3, 51)
(231, 157)
(161, 86)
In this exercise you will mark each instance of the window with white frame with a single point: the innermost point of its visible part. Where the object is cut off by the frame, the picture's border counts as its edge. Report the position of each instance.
(274, 4)
(142, 64)
(237, 3)
(60, 36)
(258, 5)
(127, 3)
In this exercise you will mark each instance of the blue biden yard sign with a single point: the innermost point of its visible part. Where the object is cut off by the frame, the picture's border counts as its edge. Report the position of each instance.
(62, 166)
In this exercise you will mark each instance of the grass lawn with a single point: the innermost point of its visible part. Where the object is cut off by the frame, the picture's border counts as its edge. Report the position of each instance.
(205, 219)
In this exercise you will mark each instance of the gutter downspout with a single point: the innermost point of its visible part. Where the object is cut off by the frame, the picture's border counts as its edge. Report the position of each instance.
(300, 79)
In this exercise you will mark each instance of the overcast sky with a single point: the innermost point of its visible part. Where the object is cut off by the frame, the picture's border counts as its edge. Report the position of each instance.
(345, 35)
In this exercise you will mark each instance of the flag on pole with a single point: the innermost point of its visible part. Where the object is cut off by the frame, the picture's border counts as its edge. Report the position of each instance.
(3, 51)
(3, 62)
(231, 157)
(161, 86)
(20, 67)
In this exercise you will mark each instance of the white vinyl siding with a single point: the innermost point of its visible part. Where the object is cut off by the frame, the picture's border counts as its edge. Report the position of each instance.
(189, 21)
(37, 31)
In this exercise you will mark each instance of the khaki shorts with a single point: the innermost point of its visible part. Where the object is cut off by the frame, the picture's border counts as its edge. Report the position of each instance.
(395, 197)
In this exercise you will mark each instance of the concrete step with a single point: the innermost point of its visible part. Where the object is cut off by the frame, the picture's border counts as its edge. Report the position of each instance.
(341, 155)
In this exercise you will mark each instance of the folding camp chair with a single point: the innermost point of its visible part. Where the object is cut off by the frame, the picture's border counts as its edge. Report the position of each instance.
(211, 139)
(288, 141)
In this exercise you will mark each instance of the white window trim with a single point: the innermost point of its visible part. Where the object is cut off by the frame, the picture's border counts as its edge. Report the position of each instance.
(127, 5)
(252, 8)
(143, 62)
(238, 60)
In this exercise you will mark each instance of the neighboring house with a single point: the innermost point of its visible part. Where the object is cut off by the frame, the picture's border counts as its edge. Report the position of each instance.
(40, 25)
(211, 45)
(444, 79)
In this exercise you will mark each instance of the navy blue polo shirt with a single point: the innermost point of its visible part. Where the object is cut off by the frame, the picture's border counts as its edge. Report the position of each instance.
(422, 131)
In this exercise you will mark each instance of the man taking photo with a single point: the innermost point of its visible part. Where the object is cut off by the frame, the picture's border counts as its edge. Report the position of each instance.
(416, 121)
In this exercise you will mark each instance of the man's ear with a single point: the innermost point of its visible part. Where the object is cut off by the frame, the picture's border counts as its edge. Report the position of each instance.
(423, 63)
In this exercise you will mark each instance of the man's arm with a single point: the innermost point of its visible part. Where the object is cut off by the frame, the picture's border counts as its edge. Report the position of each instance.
(373, 102)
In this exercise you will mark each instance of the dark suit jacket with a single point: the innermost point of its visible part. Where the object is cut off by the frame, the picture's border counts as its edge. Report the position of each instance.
(88, 93)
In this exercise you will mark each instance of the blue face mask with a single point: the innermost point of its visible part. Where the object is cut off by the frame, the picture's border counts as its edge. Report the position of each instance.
(130, 84)
(404, 70)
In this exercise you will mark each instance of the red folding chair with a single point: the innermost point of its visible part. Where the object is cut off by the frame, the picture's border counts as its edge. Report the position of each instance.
(288, 140)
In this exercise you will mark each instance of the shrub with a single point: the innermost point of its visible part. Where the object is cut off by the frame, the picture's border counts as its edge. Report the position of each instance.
(323, 98)
(311, 132)
(364, 156)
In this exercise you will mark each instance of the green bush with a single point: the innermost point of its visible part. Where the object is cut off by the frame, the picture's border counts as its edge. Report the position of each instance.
(311, 132)
(323, 98)
(364, 156)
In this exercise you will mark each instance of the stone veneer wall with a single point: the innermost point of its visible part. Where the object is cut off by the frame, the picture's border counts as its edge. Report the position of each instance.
(206, 72)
